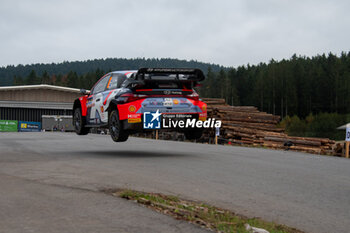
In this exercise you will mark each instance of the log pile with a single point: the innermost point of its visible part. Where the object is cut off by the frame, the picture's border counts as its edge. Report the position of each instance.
(246, 125)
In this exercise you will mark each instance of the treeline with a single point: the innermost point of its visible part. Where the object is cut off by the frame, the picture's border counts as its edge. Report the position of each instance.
(322, 125)
(72, 79)
(8, 73)
(298, 86)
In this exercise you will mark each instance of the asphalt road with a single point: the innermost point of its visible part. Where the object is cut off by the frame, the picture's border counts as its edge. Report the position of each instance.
(50, 182)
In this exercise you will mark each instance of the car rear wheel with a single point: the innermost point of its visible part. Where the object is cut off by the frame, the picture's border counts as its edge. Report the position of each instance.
(116, 129)
(79, 123)
(193, 134)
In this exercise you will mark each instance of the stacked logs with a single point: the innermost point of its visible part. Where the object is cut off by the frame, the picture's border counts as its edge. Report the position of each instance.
(246, 125)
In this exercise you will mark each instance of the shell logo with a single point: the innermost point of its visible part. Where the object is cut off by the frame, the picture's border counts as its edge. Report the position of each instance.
(204, 107)
(176, 101)
(132, 108)
(102, 109)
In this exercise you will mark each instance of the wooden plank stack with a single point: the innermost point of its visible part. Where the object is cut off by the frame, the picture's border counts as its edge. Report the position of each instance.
(246, 125)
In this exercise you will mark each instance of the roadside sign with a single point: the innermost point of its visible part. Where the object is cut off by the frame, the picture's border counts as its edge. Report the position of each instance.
(24, 126)
(347, 136)
(217, 131)
(8, 126)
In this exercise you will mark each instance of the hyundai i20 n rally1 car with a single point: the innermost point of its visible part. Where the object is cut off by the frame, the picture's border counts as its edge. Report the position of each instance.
(129, 102)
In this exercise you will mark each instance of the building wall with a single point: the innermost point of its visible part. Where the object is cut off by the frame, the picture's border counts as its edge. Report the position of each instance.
(31, 104)
(39, 95)
(30, 114)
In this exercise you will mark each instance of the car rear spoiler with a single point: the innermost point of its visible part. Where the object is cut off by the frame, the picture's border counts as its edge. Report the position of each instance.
(164, 75)
(182, 74)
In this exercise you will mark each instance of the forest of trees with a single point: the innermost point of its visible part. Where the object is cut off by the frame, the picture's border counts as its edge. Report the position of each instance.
(72, 79)
(312, 95)
(298, 86)
(8, 73)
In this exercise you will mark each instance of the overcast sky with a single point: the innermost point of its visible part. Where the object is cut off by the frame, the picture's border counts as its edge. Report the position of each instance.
(225, 32)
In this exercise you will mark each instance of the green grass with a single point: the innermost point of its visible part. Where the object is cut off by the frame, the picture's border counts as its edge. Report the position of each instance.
(208, 216)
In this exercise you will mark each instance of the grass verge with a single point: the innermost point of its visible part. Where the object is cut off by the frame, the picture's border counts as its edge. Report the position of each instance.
(211, 217)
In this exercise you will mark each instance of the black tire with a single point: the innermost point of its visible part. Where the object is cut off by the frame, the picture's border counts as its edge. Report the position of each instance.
(79, 123)
(193, 134)
(118, 134)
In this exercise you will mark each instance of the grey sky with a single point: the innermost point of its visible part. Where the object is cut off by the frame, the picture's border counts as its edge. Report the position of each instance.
(225, 32)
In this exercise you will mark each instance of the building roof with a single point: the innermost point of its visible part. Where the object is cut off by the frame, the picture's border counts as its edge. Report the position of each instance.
(40, 86)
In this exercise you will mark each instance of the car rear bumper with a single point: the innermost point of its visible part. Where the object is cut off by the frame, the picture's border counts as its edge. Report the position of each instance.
(133, 111)
(168, 121)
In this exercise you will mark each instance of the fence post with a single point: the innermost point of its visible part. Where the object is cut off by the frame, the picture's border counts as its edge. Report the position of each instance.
(347, 141)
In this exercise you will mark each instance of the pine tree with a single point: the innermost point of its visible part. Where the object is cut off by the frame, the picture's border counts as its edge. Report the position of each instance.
(72, 79)
(32, 78)
(45, 79)
(17, 80)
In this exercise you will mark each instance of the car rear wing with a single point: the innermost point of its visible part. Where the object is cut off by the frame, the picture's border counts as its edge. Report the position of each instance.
(170, 74)
(145, 76)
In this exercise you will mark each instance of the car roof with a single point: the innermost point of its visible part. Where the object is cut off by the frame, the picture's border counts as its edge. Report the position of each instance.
(125, 72)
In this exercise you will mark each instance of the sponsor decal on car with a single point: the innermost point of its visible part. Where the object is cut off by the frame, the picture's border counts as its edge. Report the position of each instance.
(168, 92)
(203, 116)
(137, 115)
(132, 108)
(134, 118)
(168, 102)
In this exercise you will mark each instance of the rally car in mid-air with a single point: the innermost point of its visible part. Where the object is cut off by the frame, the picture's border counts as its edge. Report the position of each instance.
(135, 101)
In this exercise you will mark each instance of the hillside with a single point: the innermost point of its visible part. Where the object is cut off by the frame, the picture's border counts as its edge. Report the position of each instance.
(81, 67)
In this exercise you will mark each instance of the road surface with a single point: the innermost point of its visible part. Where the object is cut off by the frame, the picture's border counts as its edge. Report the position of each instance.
(52, 180)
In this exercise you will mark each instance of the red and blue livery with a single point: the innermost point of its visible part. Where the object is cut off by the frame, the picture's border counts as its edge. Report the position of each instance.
(121, 100)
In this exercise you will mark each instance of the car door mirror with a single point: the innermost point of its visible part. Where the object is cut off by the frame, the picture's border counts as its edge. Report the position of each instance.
(84, 92)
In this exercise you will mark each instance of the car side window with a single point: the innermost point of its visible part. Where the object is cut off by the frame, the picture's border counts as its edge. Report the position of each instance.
(115, 81)
(101, 85)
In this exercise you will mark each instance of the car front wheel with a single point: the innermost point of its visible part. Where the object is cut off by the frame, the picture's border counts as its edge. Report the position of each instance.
(79, 123)
(116, 130)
